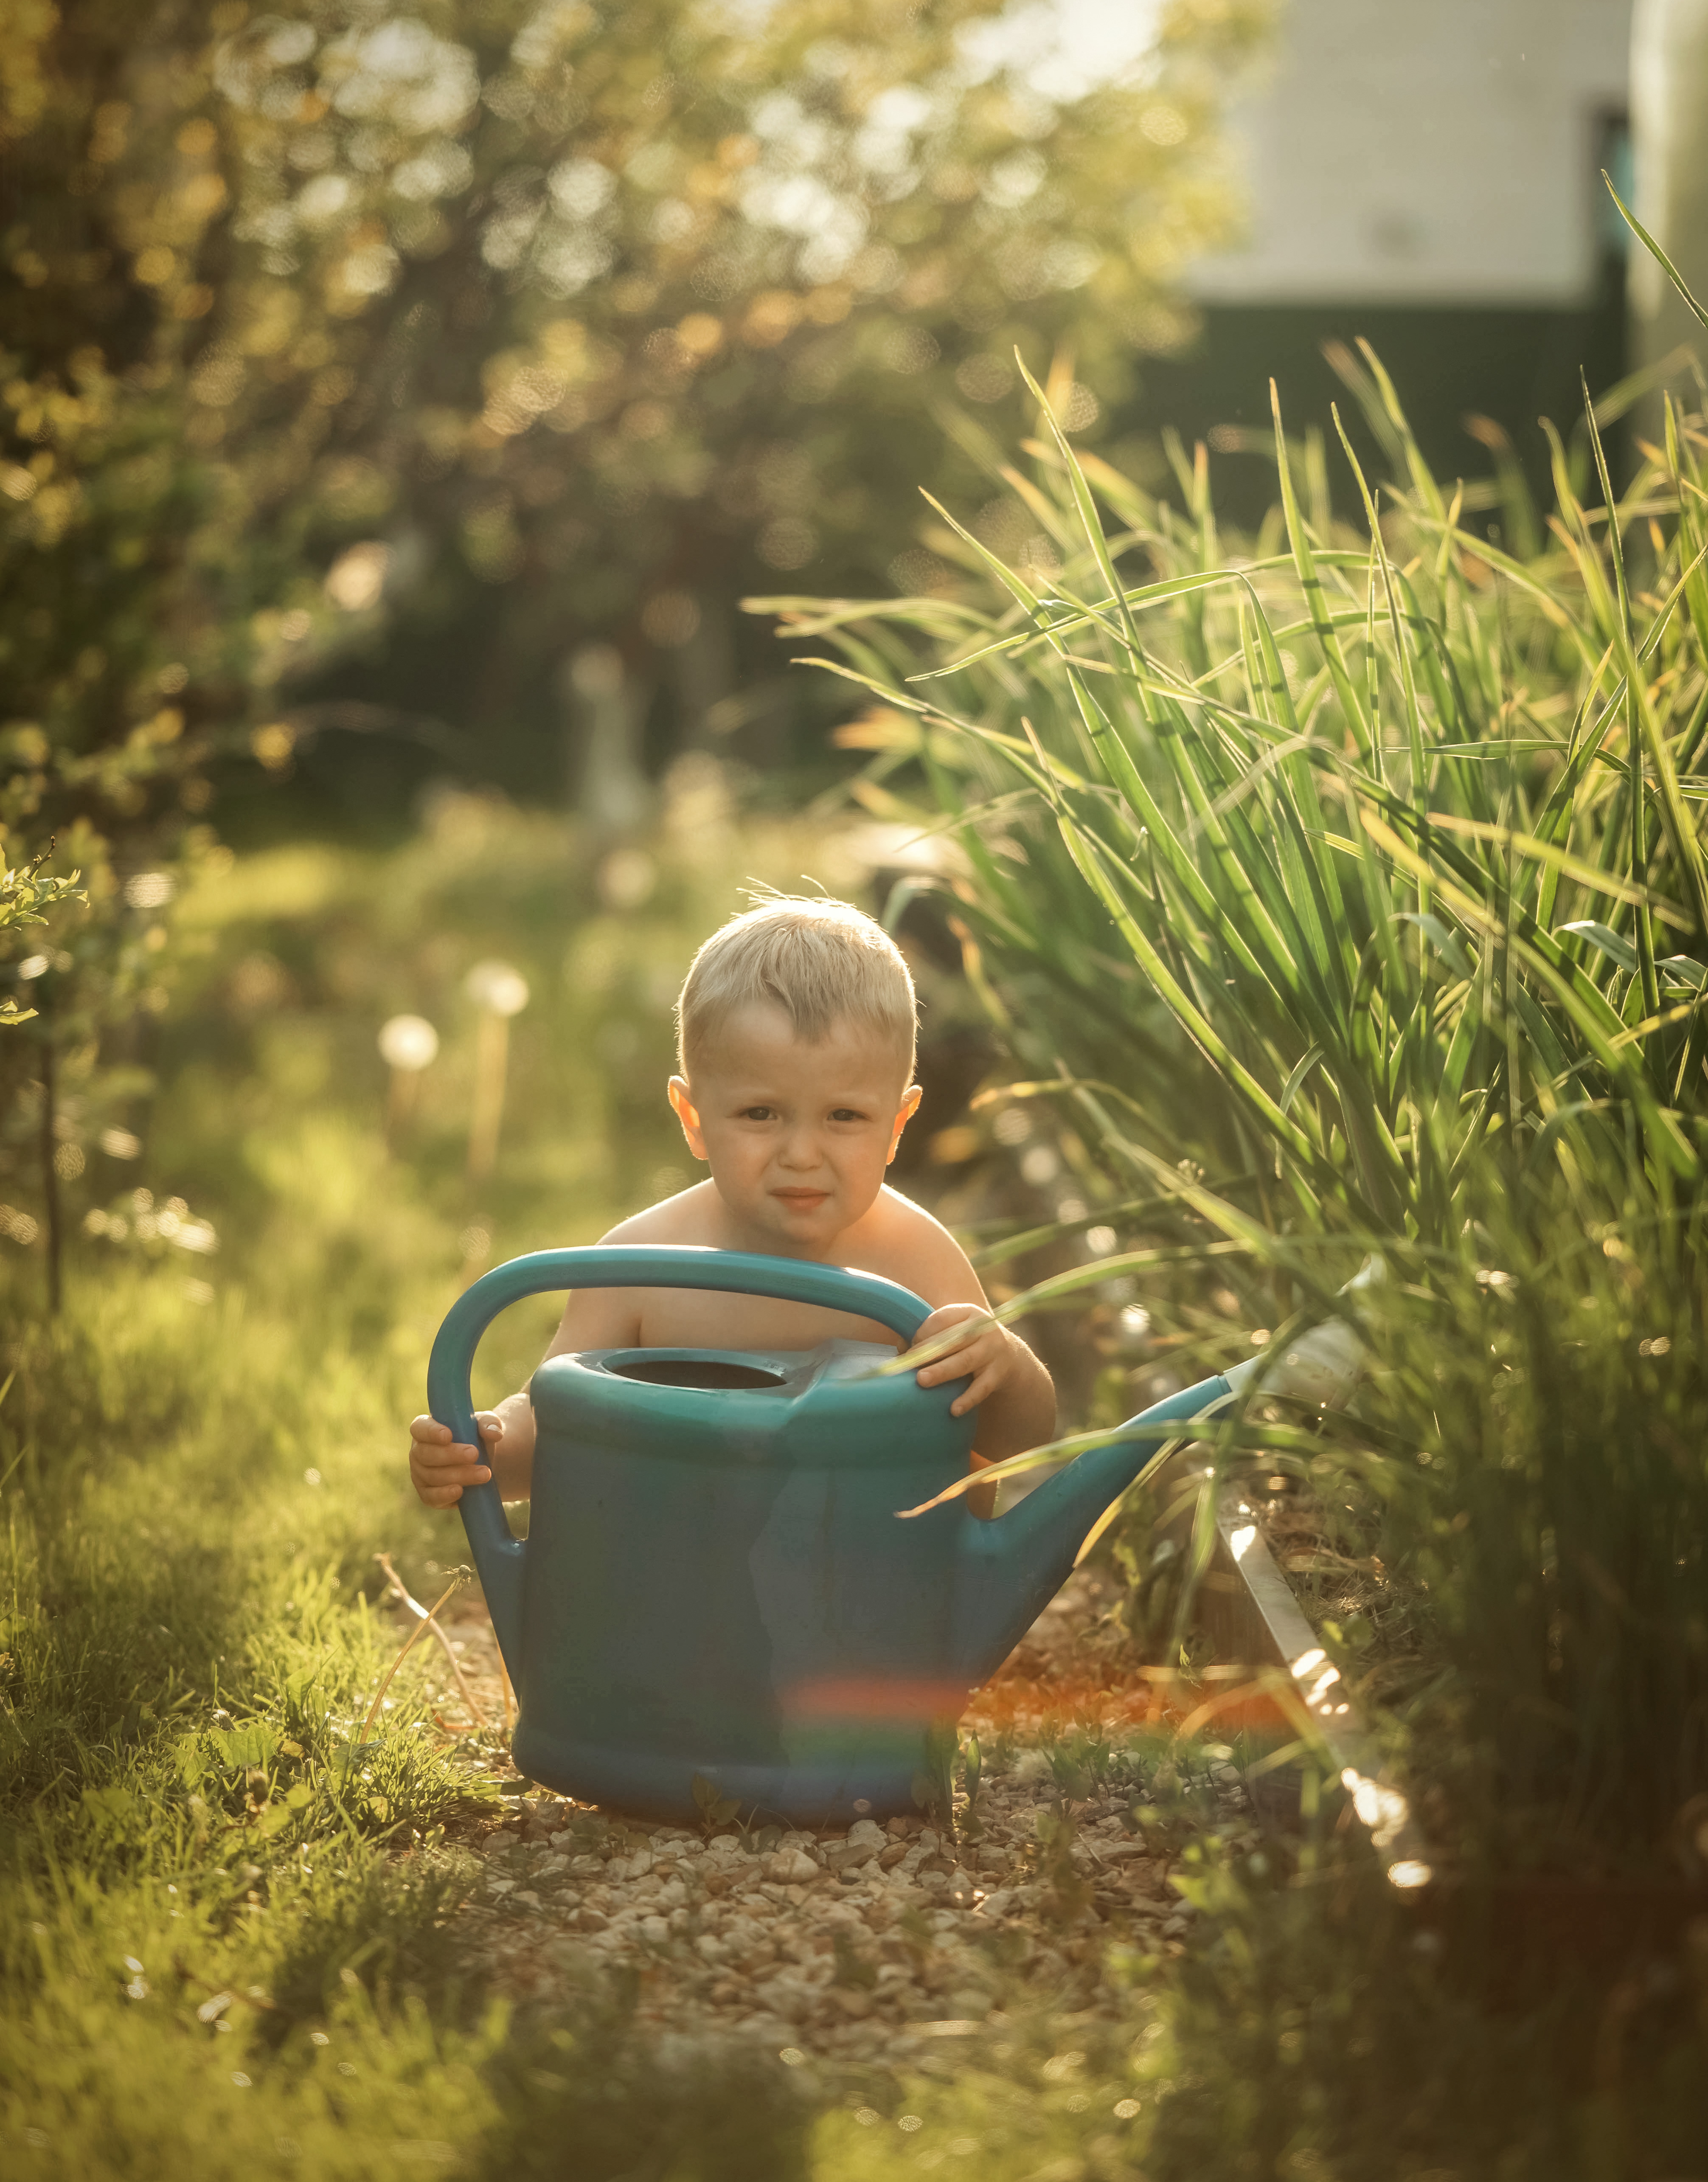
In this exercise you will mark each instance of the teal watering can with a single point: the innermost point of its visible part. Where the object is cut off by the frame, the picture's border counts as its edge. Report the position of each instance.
(715, 1584)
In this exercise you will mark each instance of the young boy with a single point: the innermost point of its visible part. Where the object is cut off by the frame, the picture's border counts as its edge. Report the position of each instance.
(795, 1048)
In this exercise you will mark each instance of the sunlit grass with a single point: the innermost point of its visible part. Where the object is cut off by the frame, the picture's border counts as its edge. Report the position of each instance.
(199, 1459)
(1382, 829)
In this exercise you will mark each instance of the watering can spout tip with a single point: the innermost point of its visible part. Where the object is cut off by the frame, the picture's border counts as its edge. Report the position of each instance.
(1011, 1568)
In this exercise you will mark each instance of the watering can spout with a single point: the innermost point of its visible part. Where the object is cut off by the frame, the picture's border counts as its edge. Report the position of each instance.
(1009, 1569)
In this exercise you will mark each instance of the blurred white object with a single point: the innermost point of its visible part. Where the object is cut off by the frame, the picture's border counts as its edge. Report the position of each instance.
(356, 579)
(607, 707)
(1319, 1367)
(409, 1043)
(496, 988)
(1374, 139)
(1669, 117)
(499, 992)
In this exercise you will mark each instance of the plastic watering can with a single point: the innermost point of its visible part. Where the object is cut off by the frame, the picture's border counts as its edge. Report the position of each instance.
(714, 1583)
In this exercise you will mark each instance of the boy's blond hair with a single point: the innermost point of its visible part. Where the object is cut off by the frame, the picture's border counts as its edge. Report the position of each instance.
(821, 961)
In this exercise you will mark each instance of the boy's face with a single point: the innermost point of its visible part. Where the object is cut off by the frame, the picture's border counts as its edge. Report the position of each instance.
(798, 1136)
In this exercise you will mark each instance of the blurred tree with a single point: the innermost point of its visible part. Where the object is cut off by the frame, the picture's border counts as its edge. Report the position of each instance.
(459, 338)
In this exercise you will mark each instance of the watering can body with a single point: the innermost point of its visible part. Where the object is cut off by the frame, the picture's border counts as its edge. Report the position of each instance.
(715, 1586)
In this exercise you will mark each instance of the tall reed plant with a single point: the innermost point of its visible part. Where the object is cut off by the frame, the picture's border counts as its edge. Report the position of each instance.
(1393, 830)
(1344, 885)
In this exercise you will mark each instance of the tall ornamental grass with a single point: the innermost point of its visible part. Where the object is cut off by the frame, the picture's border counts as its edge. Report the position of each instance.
(1345, 886)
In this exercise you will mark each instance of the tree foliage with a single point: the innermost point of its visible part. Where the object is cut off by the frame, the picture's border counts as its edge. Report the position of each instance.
(26, 897)
(330, 318)
(355, 355)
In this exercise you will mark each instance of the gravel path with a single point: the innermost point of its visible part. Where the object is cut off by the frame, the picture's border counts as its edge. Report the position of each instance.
(865, 1944)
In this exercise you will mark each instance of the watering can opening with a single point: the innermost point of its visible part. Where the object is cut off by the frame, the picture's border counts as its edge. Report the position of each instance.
(663, 1367)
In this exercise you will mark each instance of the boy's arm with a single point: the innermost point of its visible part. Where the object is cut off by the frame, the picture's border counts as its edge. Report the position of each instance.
(1011, 1392)
(1009, 1388)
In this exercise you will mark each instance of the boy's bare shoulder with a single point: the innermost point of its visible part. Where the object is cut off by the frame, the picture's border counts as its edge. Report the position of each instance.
(689, 1216)
(905, 1243)
(898, 1215)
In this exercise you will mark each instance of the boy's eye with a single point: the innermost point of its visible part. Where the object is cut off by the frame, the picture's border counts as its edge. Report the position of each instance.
(757, 1113)
(847, 1114)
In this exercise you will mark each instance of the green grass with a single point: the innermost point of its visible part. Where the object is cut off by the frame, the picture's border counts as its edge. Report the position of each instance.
(198, 1460)
(184, 1679)
(1311, 2037)
(1355, 856)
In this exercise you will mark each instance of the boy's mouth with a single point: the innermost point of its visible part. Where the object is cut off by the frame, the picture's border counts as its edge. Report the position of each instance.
(801, 1200)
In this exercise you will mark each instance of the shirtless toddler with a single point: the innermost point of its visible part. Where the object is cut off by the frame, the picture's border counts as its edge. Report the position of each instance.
(795, 1051)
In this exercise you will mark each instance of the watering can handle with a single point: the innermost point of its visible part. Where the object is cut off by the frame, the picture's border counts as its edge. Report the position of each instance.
(616, 1265)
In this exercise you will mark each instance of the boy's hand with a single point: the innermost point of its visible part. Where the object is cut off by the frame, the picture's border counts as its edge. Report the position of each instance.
(439, 1466)
(985, 1355)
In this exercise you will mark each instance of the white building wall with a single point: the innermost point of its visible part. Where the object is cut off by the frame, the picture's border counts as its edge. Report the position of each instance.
(1425, 151)
(1669, 113)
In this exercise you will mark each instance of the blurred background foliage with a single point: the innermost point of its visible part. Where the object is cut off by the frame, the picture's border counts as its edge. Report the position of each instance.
(360, 369)
(399, 398)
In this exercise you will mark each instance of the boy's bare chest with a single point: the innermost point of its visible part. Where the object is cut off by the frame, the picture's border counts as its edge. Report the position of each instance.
(694, 1318)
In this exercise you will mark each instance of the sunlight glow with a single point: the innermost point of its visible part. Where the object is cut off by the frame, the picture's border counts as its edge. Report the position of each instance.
(1384, 1811)
(1066, 48)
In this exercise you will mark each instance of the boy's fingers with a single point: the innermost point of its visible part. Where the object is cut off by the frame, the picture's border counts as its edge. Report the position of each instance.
(955, 1366)
(982, 1387)
(462, 1464)
(944, 1322)
(443, 1467)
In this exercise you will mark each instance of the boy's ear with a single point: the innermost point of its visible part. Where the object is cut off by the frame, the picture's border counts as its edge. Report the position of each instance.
(908, 1107)
(682, 1106)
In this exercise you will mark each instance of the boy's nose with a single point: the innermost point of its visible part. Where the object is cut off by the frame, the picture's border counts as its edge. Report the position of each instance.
(800, 1150)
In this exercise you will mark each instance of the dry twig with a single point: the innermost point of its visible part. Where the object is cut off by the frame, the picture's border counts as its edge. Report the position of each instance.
(409, 1645)
(423, 1614)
